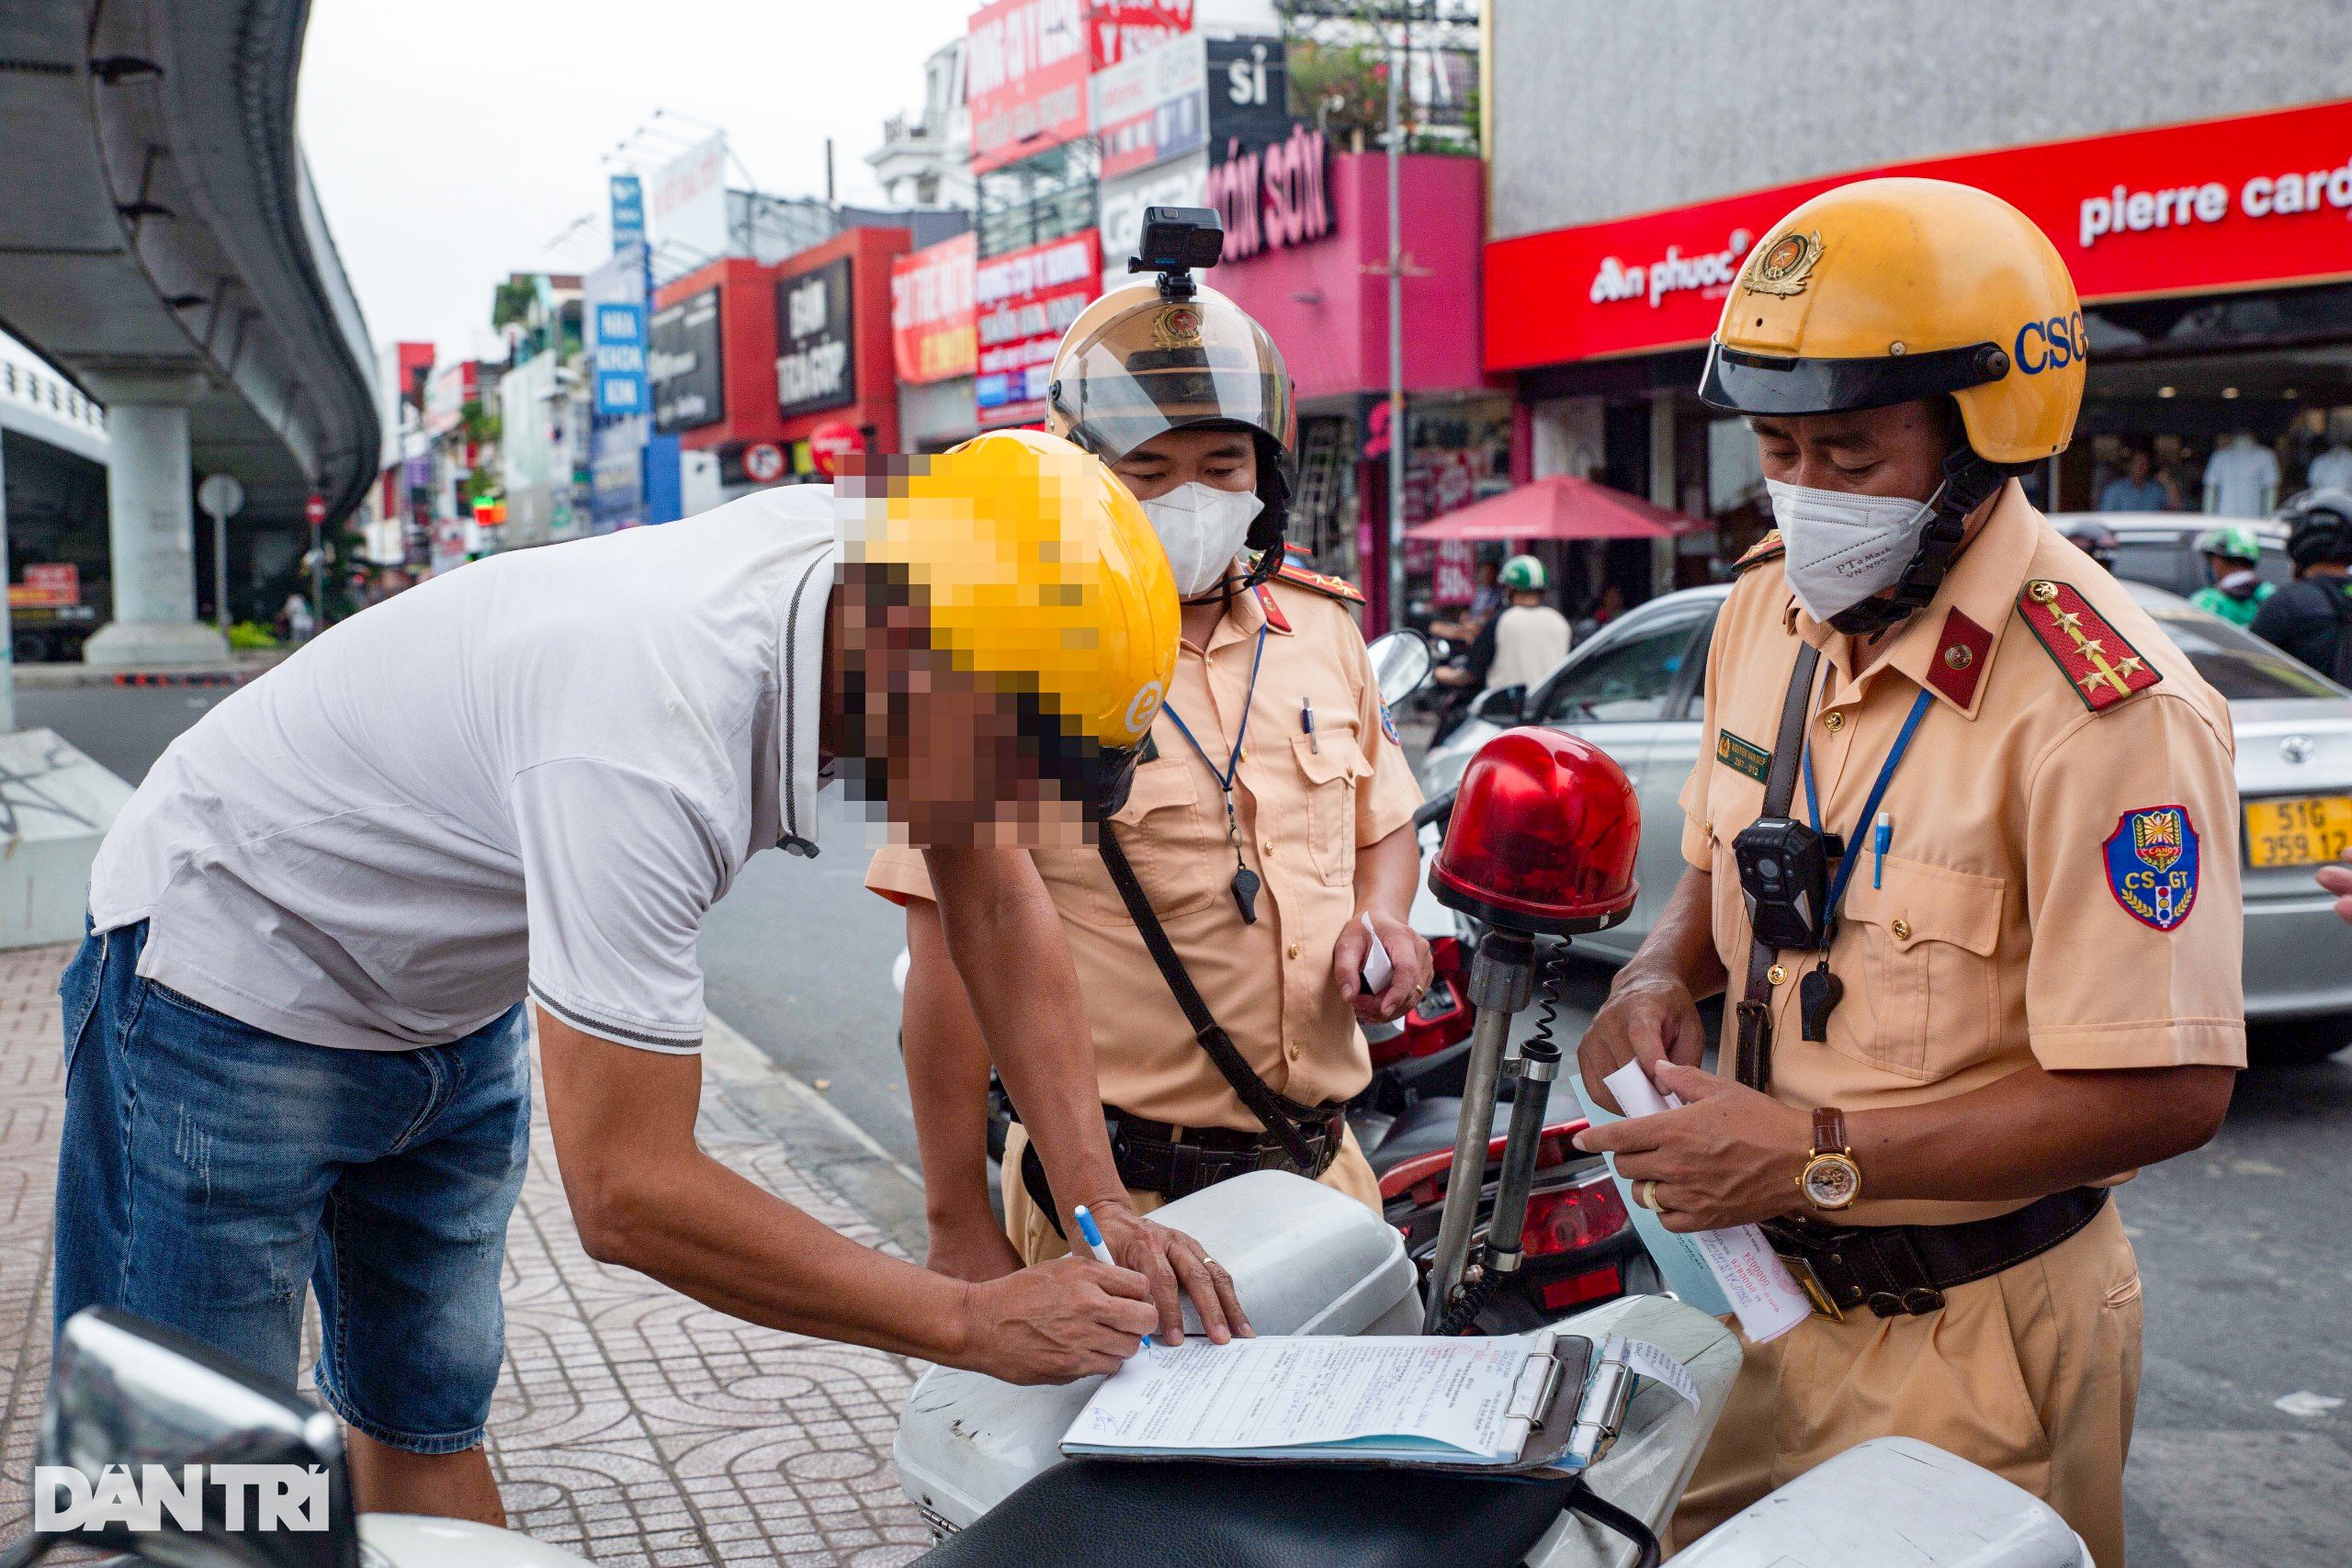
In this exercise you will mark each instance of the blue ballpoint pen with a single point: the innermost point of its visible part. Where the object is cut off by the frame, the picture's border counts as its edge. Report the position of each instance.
(1093, 1234)
(1882, 834)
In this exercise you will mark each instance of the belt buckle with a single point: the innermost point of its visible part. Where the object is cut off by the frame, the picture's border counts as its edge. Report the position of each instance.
(1801, 1270)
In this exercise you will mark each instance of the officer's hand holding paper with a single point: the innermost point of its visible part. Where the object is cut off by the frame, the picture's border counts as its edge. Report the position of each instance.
(1732, 1269)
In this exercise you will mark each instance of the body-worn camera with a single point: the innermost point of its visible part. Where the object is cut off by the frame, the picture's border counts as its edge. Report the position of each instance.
(1175, 240)
(1785, 870)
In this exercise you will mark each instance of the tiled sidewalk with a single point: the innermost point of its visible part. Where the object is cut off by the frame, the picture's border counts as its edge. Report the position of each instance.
(632, 1425)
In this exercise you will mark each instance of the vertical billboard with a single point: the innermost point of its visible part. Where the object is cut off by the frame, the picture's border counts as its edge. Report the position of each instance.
(688, 203)
(1024, 299)
(1269, 173)
(1025, 65)
(932, 337)
(616, 350)
(628, 211)
(682, 367)
(816, 367)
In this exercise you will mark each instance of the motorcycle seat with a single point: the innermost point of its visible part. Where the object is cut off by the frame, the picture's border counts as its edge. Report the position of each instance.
(1187, 1515)
(1426, 1127)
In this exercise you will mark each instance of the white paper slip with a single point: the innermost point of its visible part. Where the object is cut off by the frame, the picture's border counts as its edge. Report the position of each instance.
(1652, 1362)
(1754, 1280)
(1428, 1401)
(1377, 965)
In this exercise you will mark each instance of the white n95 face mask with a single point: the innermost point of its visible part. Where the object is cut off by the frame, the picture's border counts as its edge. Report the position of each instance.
(1202, 528)
(1844, 548)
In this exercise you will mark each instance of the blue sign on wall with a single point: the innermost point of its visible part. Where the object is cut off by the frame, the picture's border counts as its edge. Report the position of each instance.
(628, 210)
(617, 334)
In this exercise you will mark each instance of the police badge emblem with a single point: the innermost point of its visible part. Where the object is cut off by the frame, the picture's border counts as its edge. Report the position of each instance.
(2152, 865)
(1785, 265)
(1176, 326)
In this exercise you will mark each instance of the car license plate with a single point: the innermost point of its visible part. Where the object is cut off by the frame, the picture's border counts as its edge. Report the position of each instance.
(2305, 831)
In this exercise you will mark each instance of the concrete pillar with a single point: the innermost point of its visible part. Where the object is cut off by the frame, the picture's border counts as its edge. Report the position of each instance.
(150, 527)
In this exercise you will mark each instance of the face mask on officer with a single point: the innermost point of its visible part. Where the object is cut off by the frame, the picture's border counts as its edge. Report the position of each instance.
(1843, 547)
(1202, 528)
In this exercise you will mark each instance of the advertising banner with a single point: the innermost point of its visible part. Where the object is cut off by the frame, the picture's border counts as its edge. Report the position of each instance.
(2244, 202)
(682, 365)
(1120, 31)
(932, 325)
(1269, 173)
(689, 204)
(616, 349)
(815, 368)
(1024, 301)
(1025, 64)
(629, 211)
(1149, 108)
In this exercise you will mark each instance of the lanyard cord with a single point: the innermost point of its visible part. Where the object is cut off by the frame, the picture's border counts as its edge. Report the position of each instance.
(1846, 862)
(1241, 731)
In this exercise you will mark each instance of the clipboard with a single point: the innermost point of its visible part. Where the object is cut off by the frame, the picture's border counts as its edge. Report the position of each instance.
(1575, 1396)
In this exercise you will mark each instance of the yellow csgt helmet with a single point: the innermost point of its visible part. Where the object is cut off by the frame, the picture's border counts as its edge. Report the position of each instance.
(1037, 571)
(1884, 291)
(1140, 361)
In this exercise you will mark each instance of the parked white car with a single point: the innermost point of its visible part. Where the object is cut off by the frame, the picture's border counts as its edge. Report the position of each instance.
(1634, 690)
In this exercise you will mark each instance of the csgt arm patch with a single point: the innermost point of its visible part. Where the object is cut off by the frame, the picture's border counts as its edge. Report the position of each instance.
(2151, 864)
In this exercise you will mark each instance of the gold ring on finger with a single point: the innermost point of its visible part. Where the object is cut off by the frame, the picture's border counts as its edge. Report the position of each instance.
(1646, 1194)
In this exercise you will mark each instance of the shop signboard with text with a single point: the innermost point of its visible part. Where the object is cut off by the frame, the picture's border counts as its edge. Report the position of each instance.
(1024, 299)
(1269, 175)
(688, 204)
(1119, 31)
(1025, 64)
(931, 328)
(2245, 202)
(816, 367)
(1149, 107)
(682, 368)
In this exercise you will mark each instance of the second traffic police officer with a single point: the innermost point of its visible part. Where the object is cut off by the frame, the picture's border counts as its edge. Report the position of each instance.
(1271, 811)
(1962, 840)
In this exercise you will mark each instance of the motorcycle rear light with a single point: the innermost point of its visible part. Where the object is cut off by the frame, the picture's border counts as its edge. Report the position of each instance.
(1569, 1219)
(1542, 838)
(1577, 1288)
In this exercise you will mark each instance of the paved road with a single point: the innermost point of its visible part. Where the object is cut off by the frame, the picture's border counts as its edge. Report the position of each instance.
(2243, 1244)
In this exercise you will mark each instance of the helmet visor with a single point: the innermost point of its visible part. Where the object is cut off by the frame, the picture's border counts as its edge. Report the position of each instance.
(1169, 365)
(1741, 382)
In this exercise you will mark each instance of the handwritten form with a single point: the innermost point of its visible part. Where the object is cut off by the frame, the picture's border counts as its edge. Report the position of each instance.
(1420, 1397)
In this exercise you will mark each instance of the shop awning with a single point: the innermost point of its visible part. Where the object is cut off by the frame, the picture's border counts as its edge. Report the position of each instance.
(1559, 508)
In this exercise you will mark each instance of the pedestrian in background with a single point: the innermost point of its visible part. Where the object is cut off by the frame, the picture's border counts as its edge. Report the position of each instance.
(2310, 617)
(2137, 489)
(1530, 634)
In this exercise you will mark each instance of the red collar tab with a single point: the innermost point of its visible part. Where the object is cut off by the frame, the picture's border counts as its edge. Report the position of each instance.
(1314, 582)
(2102, 668)
(1958, 663)
(1768, 548)
(1273, 612)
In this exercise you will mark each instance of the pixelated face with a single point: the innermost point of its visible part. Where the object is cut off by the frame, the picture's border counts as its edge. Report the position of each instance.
(1222, 459)
(939, 754)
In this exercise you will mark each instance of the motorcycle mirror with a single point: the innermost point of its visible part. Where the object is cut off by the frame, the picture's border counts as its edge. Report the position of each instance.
(1401, 662)
(149, 1404)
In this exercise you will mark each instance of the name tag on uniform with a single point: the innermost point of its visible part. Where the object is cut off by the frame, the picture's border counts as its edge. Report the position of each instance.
(1742, 756)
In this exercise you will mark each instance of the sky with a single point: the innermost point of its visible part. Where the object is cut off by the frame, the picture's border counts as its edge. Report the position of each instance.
(452, 140)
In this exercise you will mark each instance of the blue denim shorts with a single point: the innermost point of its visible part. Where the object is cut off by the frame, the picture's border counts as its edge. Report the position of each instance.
(209, 1171)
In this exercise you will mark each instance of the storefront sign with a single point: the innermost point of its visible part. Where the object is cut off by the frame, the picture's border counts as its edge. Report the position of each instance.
(1273, 196)
(814, 368)
(618, 355)
(682, 367)
(689, 203)
(1026, 299)
(1025, 65)
(1120, 30)
(1248, 91)
(628, 210)
(446, 395)
(833, 443)
(931, 332)
(2246, 202)
(1149, 107)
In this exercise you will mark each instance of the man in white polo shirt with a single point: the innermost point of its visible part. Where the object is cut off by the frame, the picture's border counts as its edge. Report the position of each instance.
(295, 1035)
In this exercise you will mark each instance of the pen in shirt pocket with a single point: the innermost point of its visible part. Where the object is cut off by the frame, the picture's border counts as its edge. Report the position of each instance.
(1882, 834)
(1306, 727)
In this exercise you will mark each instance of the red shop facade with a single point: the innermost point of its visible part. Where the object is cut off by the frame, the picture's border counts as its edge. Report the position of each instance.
(2214, 262)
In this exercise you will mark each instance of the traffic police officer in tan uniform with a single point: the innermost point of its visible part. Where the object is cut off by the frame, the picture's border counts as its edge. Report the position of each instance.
(1963, 844)
(1272, 814)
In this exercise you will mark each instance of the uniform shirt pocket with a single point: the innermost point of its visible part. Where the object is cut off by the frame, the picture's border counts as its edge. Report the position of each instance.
(1927, 935)
(1173, 828)
(1334, 767)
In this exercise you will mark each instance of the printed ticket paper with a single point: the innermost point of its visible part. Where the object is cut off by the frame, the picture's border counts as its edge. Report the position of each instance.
(1754, 1282)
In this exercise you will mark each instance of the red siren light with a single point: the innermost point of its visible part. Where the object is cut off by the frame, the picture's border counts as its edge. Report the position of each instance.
(1545, 831)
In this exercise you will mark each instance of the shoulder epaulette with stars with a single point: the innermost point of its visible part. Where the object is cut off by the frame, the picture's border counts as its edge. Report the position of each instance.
(1314, 582)
(2100, 665)
(1766, 548)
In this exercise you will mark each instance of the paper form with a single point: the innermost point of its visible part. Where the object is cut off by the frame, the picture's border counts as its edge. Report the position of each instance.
(1275, 1392)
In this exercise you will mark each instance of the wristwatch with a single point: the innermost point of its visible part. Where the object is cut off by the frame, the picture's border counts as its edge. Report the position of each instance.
(1831, 1180)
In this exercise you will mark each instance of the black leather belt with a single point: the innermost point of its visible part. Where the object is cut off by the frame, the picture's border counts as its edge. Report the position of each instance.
(1176, 1162)
(1900, 1269)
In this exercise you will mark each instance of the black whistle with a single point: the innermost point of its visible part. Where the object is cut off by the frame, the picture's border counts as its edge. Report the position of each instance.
(1818, 995)
(1246, 883)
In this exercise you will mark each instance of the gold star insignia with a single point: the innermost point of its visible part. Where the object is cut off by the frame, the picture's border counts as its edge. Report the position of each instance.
(2068, 618)
(2130, 666)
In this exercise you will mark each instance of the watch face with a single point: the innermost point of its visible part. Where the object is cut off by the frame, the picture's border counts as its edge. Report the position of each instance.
(1831, 1182)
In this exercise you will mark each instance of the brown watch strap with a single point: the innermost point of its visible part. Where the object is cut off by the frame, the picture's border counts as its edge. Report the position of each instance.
(1829, 1131)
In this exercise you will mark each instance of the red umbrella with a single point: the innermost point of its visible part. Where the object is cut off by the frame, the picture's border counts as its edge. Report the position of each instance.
(1561, 507)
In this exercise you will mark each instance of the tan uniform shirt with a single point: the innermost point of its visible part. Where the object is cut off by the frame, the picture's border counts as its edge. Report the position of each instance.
(2032, 812)
(1304, 806)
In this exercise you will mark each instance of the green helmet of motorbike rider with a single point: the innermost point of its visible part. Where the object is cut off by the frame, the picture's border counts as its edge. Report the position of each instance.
(2233, 586)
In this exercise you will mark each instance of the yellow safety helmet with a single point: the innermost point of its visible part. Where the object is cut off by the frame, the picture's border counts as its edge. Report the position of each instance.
(1885, 291)
(1036, 571)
